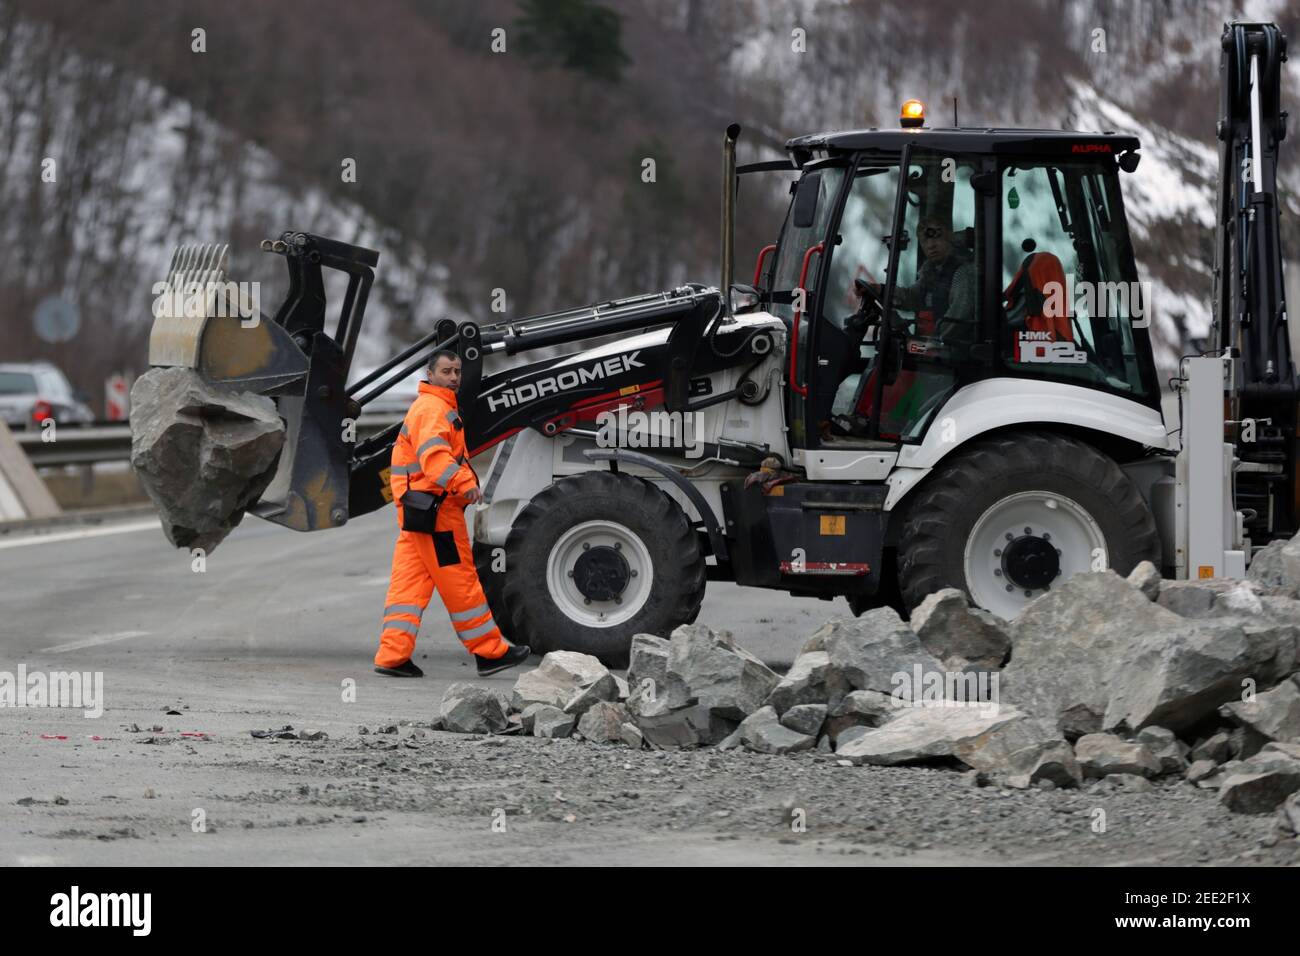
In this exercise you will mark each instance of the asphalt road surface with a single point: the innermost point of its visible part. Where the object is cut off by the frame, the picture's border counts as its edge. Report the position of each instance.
(277, 627)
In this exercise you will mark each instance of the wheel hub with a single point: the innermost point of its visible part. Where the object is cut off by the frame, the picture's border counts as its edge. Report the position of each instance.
(1025, 544)
(601, 573)
(1030, 562)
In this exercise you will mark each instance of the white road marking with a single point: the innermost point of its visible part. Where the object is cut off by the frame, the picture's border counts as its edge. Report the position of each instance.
(373, 582)
(92, 641)
(83, 533)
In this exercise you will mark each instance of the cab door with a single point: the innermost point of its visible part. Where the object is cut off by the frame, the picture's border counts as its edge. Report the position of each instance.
(903, 321)
(795, 276)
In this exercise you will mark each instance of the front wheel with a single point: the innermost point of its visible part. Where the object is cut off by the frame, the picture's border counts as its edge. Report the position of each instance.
(1015, 515)
(597, 558)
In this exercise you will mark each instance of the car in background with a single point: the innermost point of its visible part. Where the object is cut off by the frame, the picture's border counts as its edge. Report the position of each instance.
(31, 392)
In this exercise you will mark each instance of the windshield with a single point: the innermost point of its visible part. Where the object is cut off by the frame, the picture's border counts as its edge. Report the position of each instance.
(17, 383)
(795, 241)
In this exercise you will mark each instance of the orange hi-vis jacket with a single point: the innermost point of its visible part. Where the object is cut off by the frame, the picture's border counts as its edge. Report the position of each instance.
(430, 448)
(430, 454)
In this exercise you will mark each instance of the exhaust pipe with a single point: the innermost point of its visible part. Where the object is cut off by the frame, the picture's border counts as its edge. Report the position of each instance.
(728, 214)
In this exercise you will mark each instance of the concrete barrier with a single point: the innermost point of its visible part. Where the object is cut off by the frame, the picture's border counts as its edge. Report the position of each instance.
(22, 493)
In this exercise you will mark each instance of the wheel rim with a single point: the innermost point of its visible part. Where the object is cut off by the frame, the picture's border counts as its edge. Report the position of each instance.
(599, 573)
(1027, 543)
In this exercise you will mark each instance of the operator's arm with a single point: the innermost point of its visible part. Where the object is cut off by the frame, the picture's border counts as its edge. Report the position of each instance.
(432, 439)
(960, 322)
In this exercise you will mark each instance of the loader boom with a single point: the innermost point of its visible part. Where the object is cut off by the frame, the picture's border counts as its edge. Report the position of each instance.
(1249, 304)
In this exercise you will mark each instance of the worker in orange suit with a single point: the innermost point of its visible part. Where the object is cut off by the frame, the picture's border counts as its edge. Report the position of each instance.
(429, 455)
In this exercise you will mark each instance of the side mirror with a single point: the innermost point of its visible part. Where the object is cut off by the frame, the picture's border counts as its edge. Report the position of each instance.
(985, 183)
(805, 200)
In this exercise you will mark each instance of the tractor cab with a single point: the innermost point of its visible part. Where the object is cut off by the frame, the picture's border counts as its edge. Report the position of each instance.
(914, 262)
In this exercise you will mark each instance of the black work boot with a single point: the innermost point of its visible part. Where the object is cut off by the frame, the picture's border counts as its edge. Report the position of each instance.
(405, 669)
(492, 665)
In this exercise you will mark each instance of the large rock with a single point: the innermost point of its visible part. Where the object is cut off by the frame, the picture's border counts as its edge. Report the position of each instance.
(559, 677)
(762, 732)
(717, 673)
(805, 718)
(1275, 713)
(647, 674)
(1146, 578)
(603, 723)
(872, 650)
(1245, 742)
(1095, 653)
(1261, 783)
(1175, 679)
(923, 733)
(605, 688)
(961, 636)
(1211, 597)
(1067, 644)
(1100, 755)
(1165, 747)
(202, 454)
(1021, 753)
(1215, 748)
(472, 709)
(553, 723)
(693, 726)
(812, 679)
(1291, 812)
(1277, 567)
(1291, 565)
(862, 708)
(528, 718)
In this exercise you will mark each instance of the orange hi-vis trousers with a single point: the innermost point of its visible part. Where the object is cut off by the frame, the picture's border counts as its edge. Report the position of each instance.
(442, 561)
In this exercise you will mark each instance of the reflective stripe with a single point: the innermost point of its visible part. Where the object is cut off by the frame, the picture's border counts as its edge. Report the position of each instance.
(431, 443)
(411, 469)
(447, 475)
(413, 629)
(470, 614)
(453, 416)
(404, 609)
(479, 631)
(405, 431)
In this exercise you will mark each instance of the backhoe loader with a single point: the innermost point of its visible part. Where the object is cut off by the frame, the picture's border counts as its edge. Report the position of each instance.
(942, 354)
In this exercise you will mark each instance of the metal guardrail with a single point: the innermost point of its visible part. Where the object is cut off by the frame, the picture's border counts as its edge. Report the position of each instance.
(91, 444)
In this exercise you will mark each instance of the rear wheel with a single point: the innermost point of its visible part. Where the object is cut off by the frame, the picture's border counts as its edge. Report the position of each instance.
(597, 558)
(1018, 514)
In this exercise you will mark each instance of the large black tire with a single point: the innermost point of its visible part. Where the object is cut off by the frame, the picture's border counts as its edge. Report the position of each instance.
(491, 574)
(673, 597)
(939, 522)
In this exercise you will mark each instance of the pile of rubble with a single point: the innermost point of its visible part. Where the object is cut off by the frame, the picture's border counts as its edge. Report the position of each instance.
(1104, 681)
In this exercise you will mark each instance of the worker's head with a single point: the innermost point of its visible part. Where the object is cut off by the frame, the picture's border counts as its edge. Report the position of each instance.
(936, 238)
(444, 369)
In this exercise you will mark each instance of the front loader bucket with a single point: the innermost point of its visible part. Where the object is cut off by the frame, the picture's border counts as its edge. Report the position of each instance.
(289, 358)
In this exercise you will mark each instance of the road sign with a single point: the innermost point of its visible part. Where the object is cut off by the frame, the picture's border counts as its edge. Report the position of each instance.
(117, 398)
(56, 319)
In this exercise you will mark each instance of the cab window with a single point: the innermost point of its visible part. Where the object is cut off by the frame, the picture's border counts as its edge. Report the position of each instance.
(1071, 301)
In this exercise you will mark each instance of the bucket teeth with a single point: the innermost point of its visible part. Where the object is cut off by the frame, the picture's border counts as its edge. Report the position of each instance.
(202, 265)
